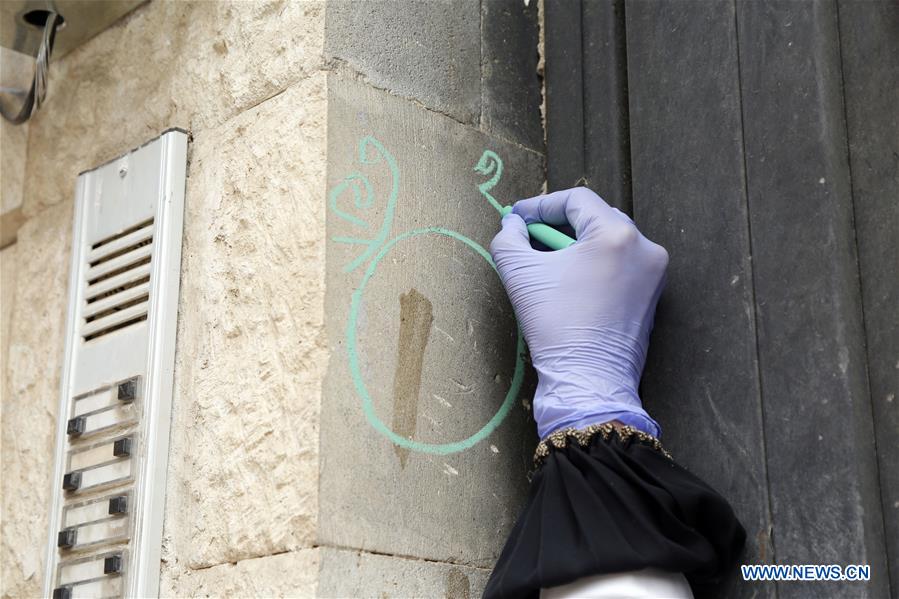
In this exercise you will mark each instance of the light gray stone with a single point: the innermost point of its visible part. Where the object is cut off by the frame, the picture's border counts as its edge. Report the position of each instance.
(358, 574)
(421, 49)
(30, 393)
(12, 164)
(243, 466)
(291, 574)
(432, 303)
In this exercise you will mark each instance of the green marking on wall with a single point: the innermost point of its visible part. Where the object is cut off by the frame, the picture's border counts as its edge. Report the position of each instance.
(363, 198)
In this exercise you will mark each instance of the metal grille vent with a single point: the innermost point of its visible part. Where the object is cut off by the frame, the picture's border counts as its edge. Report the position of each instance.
(104, 538)
(117, 292)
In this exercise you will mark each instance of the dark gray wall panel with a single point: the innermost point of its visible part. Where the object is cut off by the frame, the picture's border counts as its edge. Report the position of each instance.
(701, 380)
(511, 95)
(606, 143)
(869, 36)
(564, 95)
(819, 432)
(586, 99)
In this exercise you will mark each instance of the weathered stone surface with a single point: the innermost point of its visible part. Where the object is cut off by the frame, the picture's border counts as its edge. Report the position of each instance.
(186, 64)
(607, 152)
(14, 140)
(8, 265)
(458, 505)
(253, 258)
(564, 95)
(358, 574)
(242, 500)
(250, 358)
(31, 393)
(511, 90)
(291, 574)
(586, 94)
(474, 61)
(429, 51)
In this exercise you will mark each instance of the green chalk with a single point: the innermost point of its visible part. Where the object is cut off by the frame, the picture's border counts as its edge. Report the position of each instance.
(545, 234)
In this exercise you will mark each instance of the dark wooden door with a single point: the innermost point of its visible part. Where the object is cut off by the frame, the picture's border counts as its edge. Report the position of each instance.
(759, 143)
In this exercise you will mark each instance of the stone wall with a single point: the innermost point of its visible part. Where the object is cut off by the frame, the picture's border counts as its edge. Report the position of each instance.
(246, 79)
(427, 437)
(268, 92)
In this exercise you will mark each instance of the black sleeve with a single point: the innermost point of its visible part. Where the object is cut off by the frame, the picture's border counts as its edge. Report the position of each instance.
(607, 500)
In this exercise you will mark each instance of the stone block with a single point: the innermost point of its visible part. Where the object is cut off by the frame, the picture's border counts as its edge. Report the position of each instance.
(426, 431)
(511, 91)
(251, 355)
(418, 49)
(347, 573)
(291, 574)
(30, 379)
(473, 61)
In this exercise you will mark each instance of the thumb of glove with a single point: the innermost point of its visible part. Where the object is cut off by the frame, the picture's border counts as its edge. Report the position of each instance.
(511, 240)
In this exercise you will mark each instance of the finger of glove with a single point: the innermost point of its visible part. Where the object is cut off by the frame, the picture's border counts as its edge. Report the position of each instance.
(579, 207)
(623, 216)
(511, 239)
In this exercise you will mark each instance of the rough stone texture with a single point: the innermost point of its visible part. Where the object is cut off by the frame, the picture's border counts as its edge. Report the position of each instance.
(418, 49)
(31, 393)
(291, 574)
(242, 501)
(13, 141)
(358, 574)
(472, 60)
(8, 265)
(250, 359)
(377, 496)
(511, 90)
(243, 466)
(186, 64)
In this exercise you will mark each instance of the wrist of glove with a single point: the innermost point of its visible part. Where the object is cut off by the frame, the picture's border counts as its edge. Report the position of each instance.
(586, 311)
(592, 378)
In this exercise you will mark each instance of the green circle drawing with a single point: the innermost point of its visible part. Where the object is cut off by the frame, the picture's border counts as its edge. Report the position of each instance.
(368, 405)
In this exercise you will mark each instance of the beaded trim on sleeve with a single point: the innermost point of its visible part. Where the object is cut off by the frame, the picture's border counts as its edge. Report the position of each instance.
(582, 437)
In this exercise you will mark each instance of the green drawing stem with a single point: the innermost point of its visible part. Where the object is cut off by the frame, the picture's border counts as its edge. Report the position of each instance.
(545, 234)
(490, 162)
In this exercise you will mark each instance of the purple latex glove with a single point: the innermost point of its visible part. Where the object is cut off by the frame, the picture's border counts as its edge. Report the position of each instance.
(585, 311)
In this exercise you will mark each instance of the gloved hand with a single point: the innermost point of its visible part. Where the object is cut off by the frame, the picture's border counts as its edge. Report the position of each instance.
(585, 311)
